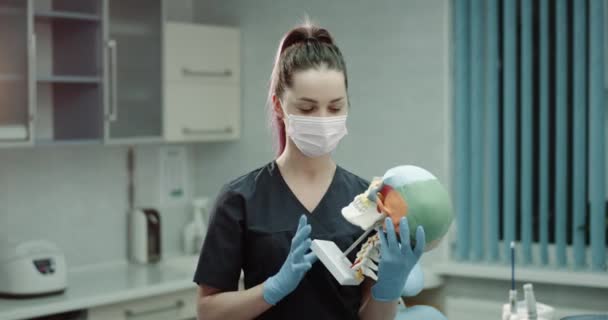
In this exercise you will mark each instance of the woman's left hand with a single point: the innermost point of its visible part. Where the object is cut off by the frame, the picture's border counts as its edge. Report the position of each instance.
(397, 259)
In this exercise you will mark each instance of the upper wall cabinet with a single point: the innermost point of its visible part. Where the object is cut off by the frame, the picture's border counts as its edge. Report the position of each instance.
(202, 83)
(80, 71)
(112, 71)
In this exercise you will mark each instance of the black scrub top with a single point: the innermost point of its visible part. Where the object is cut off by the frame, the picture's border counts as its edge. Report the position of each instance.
(252, 224)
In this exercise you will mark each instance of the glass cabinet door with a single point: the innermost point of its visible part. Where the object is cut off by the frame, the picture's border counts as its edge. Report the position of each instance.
(135, 78)
(14, 71)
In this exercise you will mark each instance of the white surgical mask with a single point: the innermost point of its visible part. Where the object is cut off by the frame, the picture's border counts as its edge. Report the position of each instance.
(316, 136)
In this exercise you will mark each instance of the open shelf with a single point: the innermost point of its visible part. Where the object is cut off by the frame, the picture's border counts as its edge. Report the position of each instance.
(69, 69)
(54, 14)
(68, 51)
(69, 111)
(69, 79)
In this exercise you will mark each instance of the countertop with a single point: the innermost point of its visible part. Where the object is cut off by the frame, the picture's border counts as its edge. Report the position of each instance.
(118, 282)
(106, 284)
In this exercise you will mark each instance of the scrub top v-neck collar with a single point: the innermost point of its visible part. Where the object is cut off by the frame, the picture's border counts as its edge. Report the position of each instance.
(291, 194)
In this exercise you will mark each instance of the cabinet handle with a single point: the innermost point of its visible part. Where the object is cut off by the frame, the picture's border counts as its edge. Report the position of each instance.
(113, 115)
(190, 131)
(187, 72)
(177, 305)
(33, 75)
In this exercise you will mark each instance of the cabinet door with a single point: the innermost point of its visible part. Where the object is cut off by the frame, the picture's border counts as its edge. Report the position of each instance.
(16, 106)
(202, 112)
(202, 54)
(173, 306)
(202, 87)
(134, 45)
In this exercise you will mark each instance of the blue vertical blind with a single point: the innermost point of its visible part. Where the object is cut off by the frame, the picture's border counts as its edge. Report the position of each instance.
(529, 140)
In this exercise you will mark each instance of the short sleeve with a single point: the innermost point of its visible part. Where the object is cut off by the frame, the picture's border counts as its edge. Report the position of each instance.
(221, 257)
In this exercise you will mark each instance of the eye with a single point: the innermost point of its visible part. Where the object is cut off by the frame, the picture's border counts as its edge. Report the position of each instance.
(335, 108)
(306, 108)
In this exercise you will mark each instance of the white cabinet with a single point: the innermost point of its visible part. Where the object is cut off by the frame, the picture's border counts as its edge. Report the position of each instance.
(175, 306)
(202, 83)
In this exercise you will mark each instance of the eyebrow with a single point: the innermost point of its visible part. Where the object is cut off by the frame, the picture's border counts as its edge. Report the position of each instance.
(315, 101)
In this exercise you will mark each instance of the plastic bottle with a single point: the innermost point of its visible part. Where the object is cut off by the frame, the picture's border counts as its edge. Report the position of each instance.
(194, 232)
(530, 301)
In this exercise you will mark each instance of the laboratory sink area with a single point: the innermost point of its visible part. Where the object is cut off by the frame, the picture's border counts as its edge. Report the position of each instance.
(119, 290)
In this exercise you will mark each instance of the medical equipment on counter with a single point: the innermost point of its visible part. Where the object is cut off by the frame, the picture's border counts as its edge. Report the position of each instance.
(31, 269)
(403, 191)
(527, 309)
(543, 312)
(530, 301)
(513, 292)
(145, 245)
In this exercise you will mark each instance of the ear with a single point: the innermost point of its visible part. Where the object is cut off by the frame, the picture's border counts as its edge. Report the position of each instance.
(278, 109)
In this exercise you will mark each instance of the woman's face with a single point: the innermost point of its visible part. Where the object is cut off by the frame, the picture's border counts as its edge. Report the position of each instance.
(315, 92)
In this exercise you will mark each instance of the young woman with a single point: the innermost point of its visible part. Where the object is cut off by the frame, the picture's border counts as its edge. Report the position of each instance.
(264, 221)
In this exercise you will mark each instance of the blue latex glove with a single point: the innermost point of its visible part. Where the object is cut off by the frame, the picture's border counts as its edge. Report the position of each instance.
(414, 283)
(397, 259)
(294, 268)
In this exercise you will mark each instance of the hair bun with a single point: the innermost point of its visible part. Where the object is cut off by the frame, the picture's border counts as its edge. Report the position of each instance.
(306, 34)
(323, 36)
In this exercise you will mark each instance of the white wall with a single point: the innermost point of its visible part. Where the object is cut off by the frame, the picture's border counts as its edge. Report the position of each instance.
(179, 10)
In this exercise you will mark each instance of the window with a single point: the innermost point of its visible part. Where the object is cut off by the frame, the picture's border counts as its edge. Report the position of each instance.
(530, 130)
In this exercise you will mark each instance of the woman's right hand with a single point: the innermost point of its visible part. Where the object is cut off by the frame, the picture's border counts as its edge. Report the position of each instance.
(294, 268)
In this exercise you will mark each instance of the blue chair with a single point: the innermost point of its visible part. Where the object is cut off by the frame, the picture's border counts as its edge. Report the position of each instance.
(413, 286)
(414, 283)
(419, 313)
